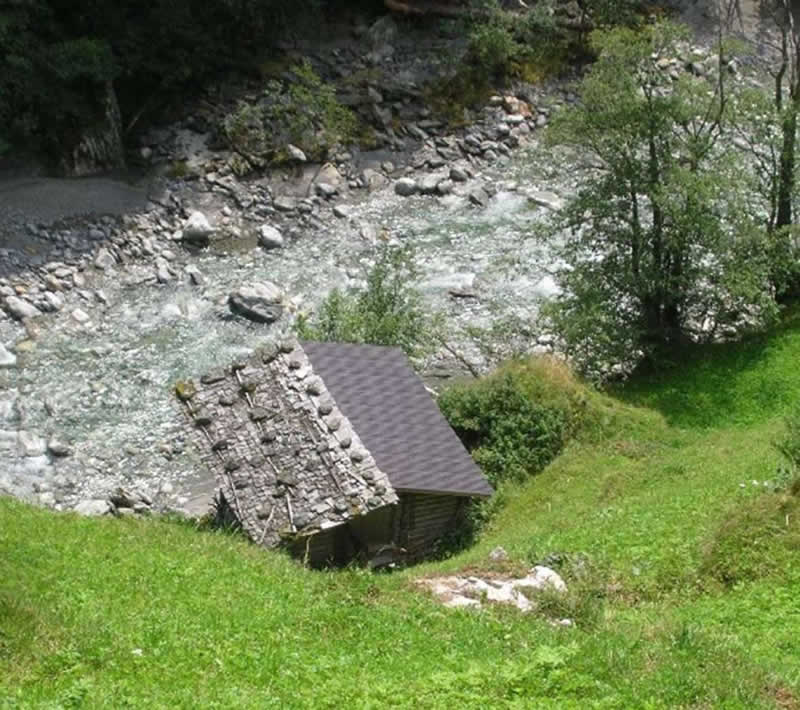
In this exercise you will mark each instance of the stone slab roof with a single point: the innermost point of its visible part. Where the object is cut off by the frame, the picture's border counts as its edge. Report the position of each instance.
(286, 459)
(397, 419)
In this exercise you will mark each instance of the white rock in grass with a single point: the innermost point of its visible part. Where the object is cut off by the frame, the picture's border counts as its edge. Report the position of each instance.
(541, 577)
(93, 507)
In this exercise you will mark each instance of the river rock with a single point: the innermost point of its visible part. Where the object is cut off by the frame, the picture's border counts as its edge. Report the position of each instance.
(445, 187)
(260, 302)
(546, 199)
(29, 444)
(163, 274)
(479, 197)
(94, 507)
(325, 189)
(197, 228)
(284, 203)
(20, 308)
(104, 259)
(7, 359)
(194, 274)
(458, 174)
(54, 301)
(57, 448)
(460, 285)
(80, 316)
(295, 153)
(429, 183)
(373, 180)
(405, 187)
(8, 441)
(342, 211)
(269, 237)
(329, 175)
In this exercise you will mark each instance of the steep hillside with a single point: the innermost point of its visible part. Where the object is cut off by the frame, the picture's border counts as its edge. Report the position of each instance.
(677, 539)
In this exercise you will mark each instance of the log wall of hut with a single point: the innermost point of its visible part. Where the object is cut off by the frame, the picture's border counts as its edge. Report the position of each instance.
(414, 525)
(425, 519)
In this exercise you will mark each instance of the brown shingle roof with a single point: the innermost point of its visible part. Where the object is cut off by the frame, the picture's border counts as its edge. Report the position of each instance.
(396, 418)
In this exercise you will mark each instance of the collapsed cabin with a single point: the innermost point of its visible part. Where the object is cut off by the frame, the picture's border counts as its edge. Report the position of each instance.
(337, 451)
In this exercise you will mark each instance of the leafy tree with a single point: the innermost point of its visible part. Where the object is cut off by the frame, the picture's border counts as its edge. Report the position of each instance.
(657, 248)
(387, 310)
(766, 125)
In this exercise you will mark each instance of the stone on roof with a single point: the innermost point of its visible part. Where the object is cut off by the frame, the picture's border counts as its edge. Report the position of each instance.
(286, 460)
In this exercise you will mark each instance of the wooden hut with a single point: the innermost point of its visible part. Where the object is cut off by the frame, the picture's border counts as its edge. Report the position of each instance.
(337, 450)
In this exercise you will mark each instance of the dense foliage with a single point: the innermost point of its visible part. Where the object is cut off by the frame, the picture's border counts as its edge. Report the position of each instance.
(659, 245)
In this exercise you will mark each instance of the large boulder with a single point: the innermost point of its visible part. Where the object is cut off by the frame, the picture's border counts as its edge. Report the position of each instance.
(98, 147)
(260, 302)
(197, 228)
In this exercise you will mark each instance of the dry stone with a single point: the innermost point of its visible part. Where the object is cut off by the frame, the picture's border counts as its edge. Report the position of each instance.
(260, 302)
(94, 507)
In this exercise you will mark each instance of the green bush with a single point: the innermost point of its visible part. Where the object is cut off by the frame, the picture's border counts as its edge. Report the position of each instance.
(516, 420)
(304, 112)
(386, 311)
(492, 46)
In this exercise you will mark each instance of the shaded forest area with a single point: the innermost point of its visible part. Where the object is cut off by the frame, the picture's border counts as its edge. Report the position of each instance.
(59, 59)
(76, 81)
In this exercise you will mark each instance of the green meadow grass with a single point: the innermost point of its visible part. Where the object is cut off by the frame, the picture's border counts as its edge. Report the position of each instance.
(683, 574)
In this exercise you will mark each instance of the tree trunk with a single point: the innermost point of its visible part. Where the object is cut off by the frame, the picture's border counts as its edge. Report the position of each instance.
(99, 147)
(786, 176)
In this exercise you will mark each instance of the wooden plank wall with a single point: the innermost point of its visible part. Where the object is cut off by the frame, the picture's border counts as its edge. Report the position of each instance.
(416, 524)
(425, 519)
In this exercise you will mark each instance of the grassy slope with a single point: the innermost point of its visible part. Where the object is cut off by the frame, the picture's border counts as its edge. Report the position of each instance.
(684, 579)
